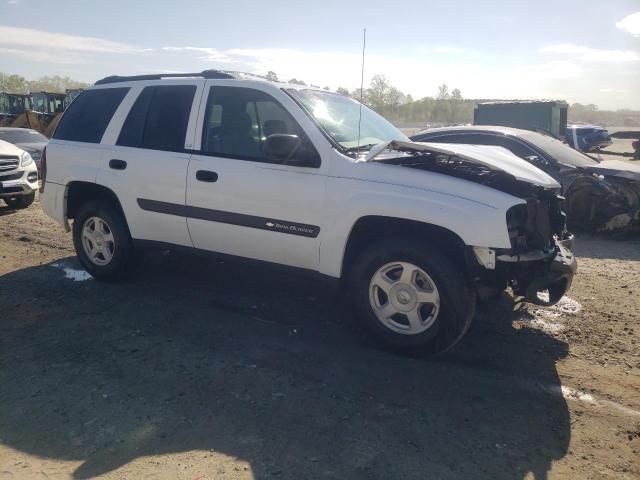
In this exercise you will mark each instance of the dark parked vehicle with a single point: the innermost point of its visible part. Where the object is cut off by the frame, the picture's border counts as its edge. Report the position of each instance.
(587, 138)
(26, 139)
(600, 195)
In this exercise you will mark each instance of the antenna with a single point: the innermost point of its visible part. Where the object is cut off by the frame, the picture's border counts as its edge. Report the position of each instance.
(364, 44)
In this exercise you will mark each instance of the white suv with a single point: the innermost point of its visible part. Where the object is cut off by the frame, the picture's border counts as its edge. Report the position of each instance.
(303, 177)
(18, 176)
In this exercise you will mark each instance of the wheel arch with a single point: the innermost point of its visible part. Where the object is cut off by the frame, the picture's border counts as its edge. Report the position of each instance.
(372, 228)
(80, 192)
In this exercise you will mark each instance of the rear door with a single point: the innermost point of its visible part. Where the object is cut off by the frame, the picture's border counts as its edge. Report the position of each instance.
(150, 156)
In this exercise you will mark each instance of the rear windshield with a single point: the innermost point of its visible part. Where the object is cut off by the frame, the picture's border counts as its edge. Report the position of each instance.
(87, 117)
(558, 150)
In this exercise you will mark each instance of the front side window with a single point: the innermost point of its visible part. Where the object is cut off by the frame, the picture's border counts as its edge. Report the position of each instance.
(158, 119)
(238, 121)
(345, 120)
(517, 148)
(87, 118)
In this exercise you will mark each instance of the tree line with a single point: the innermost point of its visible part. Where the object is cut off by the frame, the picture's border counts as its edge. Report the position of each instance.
(12, 83)
(449, 107)
(446, 106)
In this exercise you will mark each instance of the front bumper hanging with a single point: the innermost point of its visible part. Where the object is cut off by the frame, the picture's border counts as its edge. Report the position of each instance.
(556, 281)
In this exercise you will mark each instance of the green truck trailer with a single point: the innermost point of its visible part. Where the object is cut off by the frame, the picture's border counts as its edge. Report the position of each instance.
(538, 115)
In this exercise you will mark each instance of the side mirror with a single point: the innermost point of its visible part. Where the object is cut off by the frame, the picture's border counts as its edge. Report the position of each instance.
(281, 146)
(290, 149)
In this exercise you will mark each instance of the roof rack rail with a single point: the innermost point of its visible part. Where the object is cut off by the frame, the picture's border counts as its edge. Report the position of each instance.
(157, 76)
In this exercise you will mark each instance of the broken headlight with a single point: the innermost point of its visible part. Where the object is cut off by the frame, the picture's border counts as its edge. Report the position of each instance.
(517, 227)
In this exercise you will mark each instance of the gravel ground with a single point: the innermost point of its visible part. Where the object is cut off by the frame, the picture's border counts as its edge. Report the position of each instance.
(199, 369)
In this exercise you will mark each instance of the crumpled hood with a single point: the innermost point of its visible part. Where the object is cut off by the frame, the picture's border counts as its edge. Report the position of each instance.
(494, 158)
(617, 168)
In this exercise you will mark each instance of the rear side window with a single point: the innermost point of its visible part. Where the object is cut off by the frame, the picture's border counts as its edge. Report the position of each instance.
(87, 117)
(158, 119)
(466, 138)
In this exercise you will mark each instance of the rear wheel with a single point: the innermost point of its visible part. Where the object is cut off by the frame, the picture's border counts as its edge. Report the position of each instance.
(18, 203)
(411, 296)
(102, 241)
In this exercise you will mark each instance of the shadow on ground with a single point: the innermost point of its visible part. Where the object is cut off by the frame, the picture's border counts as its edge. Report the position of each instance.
(194, 354)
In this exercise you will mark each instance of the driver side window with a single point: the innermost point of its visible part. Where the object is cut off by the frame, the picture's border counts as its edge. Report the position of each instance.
(239, 120)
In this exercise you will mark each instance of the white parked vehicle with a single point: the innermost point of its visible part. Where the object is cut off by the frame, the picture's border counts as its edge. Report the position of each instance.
(310, 179)
(18, 176)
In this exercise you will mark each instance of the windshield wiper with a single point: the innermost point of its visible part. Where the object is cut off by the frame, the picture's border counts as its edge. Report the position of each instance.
(360, 147)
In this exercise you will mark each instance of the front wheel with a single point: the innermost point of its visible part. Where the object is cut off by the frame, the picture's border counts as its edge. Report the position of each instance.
(18, 203)
(102, 241)
(411, 296)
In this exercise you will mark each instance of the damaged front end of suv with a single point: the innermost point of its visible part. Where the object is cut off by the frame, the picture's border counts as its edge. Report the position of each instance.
(539, 265)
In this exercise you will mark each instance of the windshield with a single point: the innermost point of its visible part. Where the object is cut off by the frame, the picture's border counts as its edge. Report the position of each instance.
(22, 136)
(339, 116)
(558, 150)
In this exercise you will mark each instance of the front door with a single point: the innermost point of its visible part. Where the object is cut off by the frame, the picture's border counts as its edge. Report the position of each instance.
(240, 201)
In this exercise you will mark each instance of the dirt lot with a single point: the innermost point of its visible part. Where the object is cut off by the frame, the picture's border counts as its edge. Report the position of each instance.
(198, 369)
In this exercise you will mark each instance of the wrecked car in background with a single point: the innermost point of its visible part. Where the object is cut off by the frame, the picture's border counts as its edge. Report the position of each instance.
(600, 195)
(587, 138)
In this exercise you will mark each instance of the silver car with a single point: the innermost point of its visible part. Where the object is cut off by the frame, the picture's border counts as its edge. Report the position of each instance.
(26, 139)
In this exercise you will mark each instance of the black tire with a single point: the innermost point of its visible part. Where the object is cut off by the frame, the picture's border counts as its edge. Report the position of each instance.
(457, 298)
(18, 203)
(124, 255)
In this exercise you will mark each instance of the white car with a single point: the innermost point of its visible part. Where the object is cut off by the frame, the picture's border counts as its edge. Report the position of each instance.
(302, 177)
(18, 176)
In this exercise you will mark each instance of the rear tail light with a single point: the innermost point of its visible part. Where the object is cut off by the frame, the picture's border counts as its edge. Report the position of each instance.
(43, 169)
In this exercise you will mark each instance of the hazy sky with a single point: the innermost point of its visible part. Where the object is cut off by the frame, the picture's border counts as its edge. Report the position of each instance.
(577, 50)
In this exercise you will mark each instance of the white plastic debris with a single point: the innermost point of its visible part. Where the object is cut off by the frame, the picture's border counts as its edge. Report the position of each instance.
(545, 318)
(72, 273)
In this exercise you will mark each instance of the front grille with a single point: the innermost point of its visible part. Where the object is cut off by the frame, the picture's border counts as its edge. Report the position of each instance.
(8, 163)
(12, 190)
(11, 176)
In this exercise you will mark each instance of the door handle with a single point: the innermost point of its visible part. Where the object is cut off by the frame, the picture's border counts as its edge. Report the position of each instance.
(117, 164)
(206, 176)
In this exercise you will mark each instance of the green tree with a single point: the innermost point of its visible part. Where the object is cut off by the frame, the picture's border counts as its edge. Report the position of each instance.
(361, 95)
(12, 83)
(443, 92)
(55, 83)
(295, 81)
(343, 91)
(271, 75)
(377, 92)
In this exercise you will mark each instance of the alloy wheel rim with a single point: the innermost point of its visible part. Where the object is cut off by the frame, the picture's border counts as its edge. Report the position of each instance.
(97, 241)
(404, 298)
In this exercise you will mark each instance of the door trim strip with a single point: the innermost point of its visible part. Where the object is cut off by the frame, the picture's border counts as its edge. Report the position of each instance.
(231, 218)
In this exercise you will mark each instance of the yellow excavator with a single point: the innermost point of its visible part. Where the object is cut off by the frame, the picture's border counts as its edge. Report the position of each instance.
(13, 106)
(40, 111)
